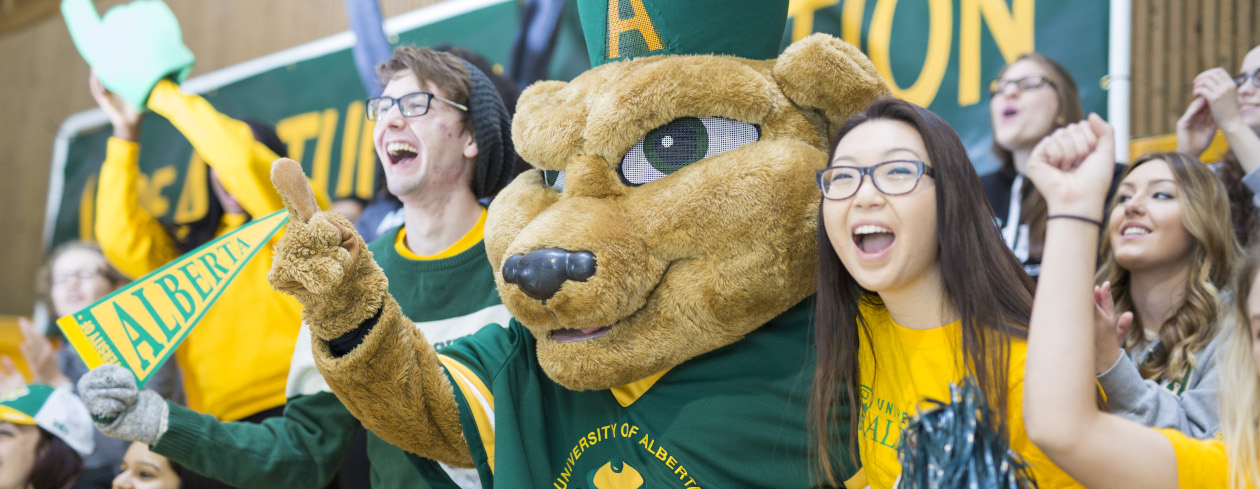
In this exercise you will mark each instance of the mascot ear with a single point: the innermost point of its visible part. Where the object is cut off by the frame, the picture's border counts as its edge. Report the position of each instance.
(828, 75)
(548, 124)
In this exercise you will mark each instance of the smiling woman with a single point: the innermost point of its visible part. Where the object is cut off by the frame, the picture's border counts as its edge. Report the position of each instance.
(903, 309)
(1167, 253)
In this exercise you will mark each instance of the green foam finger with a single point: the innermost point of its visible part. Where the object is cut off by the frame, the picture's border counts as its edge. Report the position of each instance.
(132, 47)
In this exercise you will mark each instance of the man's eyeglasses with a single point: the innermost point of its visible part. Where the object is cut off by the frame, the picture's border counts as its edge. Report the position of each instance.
(412, 105)
(1023, 84)
(895, 177)
(1241, 80)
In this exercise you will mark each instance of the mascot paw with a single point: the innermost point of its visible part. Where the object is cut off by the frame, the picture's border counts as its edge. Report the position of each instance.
(322, 261)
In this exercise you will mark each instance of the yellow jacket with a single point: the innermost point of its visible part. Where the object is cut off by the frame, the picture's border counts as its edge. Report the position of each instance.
(236, 361)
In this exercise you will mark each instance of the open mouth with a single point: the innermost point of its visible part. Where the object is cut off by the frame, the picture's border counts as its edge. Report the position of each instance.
(568, 335)
(1009, 113)
(1134, 230)
(873, 239)
(401, 153)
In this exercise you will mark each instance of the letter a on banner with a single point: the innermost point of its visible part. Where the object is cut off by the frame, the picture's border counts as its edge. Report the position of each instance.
(140, 325)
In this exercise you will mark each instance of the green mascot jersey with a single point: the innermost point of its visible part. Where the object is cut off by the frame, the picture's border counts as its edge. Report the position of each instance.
(733, 417)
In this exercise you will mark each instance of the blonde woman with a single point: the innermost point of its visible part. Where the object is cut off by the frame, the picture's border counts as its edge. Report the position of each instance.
(1071, 169)
(1167, 253)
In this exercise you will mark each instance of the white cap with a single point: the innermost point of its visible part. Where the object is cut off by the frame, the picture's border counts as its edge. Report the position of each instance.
(57, 411)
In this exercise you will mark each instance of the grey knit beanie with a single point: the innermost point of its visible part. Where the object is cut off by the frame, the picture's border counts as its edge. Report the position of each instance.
(493, 130)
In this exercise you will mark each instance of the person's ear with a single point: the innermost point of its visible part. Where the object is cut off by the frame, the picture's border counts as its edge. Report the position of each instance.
(470, 146)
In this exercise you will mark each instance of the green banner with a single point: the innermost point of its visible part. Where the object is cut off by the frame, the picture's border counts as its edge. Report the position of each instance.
(938, 53)
(139, 326)
(941, 54)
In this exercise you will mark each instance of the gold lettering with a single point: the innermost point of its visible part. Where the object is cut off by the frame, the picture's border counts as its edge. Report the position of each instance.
(1012, 31)
(923, 90)
(349, 150)
(296, 130)
(851, 21)
(193, 200)
(802, 14)
(323, 150)
(365, 181)
(87, 210)
(149, 190)
(640, 22)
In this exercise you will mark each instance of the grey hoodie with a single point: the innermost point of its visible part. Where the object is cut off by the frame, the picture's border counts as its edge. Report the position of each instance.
(1186, 403)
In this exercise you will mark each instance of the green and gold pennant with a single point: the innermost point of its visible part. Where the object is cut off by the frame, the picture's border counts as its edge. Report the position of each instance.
(140, 325)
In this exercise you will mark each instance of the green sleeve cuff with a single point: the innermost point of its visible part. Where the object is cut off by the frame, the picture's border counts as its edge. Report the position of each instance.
(185, 430)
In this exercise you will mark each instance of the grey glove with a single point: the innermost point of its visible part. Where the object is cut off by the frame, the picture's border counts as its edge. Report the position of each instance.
(121, 410)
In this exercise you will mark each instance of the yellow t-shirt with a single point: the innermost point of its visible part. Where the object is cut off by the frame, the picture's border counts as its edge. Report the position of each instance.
(1200, 463)
(900, 368)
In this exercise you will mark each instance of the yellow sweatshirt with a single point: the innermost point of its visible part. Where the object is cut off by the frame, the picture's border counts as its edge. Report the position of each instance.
(236, 361)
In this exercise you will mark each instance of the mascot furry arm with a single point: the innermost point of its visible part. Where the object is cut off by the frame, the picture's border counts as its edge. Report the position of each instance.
(326, 265)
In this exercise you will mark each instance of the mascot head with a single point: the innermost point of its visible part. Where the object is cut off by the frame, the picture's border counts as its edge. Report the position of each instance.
(672, 209)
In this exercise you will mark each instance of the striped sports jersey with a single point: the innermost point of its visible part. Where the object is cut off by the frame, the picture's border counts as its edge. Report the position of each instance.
(733, 417)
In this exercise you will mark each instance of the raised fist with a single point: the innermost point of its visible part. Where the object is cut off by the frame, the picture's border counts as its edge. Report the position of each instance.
(1073, 167)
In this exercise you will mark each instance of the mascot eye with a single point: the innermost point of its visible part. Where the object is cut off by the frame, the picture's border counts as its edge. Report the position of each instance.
(554, 179)
(682, 142)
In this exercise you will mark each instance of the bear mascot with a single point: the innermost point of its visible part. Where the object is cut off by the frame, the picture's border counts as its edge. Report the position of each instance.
(658, 261)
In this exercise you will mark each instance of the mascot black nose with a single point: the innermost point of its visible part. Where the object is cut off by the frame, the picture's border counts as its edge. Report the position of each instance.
(540, 273)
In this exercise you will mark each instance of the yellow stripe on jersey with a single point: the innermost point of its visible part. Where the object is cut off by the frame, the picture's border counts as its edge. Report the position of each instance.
(627, 394)
(480, 401)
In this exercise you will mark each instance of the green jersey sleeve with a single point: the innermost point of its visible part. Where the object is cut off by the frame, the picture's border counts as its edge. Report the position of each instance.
(302, 449)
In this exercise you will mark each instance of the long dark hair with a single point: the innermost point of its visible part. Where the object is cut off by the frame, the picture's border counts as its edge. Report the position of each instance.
(984, 284)
(57, 466)
(1033, 210)
(188, 236)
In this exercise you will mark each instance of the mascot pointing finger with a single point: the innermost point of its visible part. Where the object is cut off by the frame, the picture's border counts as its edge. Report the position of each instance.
(658, 262)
